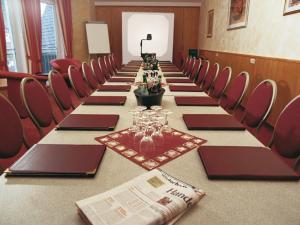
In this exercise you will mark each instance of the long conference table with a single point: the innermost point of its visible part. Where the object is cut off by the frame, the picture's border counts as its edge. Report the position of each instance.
(25, 200)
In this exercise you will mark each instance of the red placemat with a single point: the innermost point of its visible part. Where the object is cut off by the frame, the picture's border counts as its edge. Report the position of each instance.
(176, 143)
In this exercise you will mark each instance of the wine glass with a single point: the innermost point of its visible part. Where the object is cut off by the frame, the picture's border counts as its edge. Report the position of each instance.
(157, 135)
(166, 127)
(147, 146)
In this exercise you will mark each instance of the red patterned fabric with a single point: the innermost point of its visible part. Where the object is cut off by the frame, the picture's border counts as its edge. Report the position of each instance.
(89, 76)
(78, 82)
(32, 20)
(286, 140)
(65, 17)
(221, 83)
(259, 103)
(209, 79)
(11, 131)
(235, 91)
(60, 90)
(176, 143)
(97, 71)
(37, 100)
(202, 72)
(3, 59)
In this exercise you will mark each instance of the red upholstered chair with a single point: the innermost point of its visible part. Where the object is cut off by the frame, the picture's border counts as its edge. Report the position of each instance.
(62, 65)
(190, 67)
(286, 135)
(89, 76)
(60, 91)
(221, 83)
(13, 89)
(235, 92)
(259, 104)
(202, 72)
(37, 103)
(195, 70)
(210, 77)
(103, 68)
(107, 65)
(184, 63)
(97, 71)
(79, 85)
(11, 134)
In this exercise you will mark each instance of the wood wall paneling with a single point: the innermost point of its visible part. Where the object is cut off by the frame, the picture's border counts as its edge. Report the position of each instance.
(286, 74)
(186, 25)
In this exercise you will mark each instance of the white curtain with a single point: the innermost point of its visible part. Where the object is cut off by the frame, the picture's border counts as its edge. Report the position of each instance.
(17, 26)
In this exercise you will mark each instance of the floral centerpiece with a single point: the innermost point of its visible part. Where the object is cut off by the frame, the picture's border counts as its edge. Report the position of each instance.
(150, 62)
(149, 92)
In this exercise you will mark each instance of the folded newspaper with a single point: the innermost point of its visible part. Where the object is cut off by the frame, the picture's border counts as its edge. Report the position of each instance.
(154, 198)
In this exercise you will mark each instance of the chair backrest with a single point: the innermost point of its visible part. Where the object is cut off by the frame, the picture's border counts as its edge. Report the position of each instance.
(11, 130)
(195, 70)
(286, 136)
(186, 66)
(235, 91)
(107, 65)
(202, 72)
(60, 91)
(97, 71)
(78, 83)
(221, 83)
(210, 77)
(103, 68)
(259, 104)
(89, 76)
(184, 63)
(115, 63)
(110, 60)
(62, 65)
(37, 103)
(190, 66)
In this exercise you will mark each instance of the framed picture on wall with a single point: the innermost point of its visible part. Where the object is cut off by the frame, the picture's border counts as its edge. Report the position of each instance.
(237, 14)
(291, 6)
(210, 23)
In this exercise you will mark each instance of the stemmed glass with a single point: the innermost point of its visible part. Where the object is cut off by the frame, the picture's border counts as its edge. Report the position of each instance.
(157, 135)
(166, 127)
(146, 144)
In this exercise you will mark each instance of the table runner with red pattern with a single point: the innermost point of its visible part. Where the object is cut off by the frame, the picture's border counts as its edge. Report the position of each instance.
(176, 143)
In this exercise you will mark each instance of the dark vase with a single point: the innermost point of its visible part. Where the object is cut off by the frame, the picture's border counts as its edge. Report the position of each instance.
(149, 99)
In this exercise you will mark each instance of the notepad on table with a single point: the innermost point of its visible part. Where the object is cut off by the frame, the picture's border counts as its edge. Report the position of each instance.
(212, 122)
(114, 88)
(185, 88)
(105, 100)
(59, 160)
(179, 80)
(245, 163)
(195, 101)
(89, 122)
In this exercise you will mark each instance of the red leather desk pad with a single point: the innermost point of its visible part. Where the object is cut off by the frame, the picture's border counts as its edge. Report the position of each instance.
(105, 100)
(121, 79)
(212, 122)
(126, 74)
(179, 80)
(175, 144)
(59, 160)
(174, 75)
(89, 122)
(195, 101)
(185, 88)
(114, 88)
(235, 162)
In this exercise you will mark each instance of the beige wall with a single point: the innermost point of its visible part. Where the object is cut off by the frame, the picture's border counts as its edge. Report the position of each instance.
(268, 32)
(82, 11)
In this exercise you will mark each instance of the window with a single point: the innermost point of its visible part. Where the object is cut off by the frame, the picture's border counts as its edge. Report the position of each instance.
(10, 48)
(49, 34)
